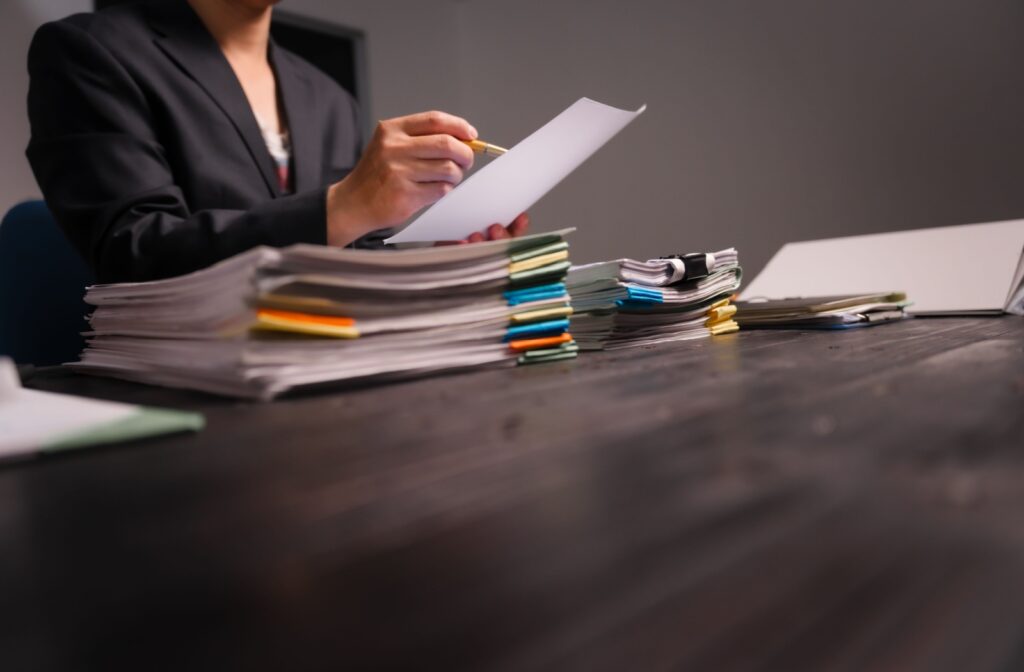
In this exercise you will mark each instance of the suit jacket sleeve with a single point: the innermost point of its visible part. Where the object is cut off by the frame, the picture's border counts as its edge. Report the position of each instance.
(106, 179)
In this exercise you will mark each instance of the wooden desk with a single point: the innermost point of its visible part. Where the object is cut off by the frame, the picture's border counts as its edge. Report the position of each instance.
(767, 500)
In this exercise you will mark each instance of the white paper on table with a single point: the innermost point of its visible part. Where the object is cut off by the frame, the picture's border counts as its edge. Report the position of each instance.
(512, 183)
(950, 270)
(30, 419)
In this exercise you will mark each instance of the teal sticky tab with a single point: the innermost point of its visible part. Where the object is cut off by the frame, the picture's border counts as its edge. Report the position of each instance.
(643, 293)
(536, 329)
(515, 296)
(528, 298)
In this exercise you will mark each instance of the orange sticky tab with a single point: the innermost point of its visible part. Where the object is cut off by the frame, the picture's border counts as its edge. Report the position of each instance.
(534, 343)
(306, 318)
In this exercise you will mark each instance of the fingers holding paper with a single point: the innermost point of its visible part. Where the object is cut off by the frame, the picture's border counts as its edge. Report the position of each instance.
(409, 163)
(519, 227)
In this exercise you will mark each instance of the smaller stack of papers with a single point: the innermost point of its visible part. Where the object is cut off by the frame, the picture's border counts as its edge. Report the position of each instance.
(628, 303)
(824, 312)
(272, 320)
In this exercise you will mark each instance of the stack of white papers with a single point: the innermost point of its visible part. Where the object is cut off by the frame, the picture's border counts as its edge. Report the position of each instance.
(271, 320)
(825, 312)
(628, 303)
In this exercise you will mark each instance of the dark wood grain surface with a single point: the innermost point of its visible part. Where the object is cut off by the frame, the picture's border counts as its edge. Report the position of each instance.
(758, 501)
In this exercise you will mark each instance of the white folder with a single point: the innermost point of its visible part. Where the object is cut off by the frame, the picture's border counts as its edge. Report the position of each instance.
(975, 269)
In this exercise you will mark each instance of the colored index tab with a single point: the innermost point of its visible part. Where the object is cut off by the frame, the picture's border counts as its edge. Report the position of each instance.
(537, 262)
(536, 293)
(555, 270)
(539, 251)
(303, 323)
(536, 289)
(523, 345)
(536, 328)
(541, 314)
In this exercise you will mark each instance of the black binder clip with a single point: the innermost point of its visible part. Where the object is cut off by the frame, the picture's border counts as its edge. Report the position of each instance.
(695, 265)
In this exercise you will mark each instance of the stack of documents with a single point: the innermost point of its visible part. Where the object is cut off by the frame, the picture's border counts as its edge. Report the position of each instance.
(825, 312)
(271, 320)
(627, 303)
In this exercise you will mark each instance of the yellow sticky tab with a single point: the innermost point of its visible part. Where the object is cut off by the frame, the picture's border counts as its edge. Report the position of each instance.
(542, 314)
(537, 262)
(721, 313)
(727, 327)
(719, 304)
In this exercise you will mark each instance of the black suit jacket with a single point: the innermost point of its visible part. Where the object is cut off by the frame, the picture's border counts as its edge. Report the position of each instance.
(149, 155)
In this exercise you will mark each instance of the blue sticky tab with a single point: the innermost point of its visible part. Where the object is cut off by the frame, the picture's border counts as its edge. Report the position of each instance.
(551, 327)
(538, 297)
(551, 291)
(643, 293)
(516, 294)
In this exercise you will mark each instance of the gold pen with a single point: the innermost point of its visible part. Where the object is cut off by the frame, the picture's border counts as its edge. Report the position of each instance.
(485, 148)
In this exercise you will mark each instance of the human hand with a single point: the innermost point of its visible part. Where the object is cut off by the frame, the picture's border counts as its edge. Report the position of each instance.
(409, 163)
(518, 227)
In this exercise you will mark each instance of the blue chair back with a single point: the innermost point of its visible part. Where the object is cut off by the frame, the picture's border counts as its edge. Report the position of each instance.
(42, 280)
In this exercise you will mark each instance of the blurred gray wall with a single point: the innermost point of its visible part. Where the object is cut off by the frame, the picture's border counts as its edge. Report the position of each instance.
(18, 21)
(767, 121)
(412, 45)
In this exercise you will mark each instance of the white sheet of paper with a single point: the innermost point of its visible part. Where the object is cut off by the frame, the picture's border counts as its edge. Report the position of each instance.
(30, 419)
(947, 270)
(512, 183)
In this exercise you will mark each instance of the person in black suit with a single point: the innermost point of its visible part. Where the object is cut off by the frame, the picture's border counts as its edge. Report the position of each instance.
(168, 135)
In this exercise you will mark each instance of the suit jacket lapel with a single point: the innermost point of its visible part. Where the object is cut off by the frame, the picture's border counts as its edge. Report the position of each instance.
(184, 38)
(295, 92)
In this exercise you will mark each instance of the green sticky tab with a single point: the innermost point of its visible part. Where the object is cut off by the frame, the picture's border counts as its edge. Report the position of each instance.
(523, 359)
(556, 269)
(519, 245)
(538, 251)
(548, 352)
(144, 423)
